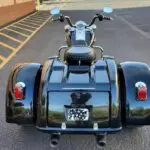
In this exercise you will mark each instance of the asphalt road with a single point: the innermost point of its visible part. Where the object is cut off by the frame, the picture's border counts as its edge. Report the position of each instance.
(126, 38)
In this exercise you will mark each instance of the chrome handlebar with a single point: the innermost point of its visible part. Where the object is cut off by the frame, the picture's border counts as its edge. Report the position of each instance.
(62, 18)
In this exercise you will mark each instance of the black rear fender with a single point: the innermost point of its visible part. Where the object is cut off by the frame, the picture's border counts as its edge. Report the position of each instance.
(134, 111)
(23, 111)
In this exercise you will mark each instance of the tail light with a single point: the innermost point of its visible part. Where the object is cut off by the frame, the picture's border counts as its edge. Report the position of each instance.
(19, 90)
(141, 91)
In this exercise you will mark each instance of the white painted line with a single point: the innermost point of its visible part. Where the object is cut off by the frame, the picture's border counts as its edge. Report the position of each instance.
(133, 27)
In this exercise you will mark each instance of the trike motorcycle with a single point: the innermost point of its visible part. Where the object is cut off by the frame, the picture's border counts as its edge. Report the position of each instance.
(76, 92)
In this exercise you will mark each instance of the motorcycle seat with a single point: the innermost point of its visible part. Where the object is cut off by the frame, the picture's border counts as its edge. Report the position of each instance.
(80, 55)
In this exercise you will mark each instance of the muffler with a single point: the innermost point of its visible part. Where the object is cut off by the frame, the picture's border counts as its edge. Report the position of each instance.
(55, 137)
(101, 140)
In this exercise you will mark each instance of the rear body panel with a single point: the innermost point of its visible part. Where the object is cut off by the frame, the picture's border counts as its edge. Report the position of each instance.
(93, 84)
(98, 103)
(106, 91)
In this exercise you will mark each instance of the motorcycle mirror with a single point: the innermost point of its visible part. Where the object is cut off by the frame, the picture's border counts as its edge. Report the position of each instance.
(55, 11)
(107, 10)
(93, 26)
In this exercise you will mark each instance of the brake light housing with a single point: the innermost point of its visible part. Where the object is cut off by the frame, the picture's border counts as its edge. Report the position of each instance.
(19, 90)
(141, 91)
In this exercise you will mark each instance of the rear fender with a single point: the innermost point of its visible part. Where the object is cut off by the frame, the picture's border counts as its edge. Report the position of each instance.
(23, 111)
(135, 112)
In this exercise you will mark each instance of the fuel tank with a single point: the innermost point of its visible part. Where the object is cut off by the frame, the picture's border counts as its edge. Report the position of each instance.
(79, 98)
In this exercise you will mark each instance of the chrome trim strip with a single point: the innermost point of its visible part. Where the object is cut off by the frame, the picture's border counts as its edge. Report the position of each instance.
(78, 88)
(79, 129)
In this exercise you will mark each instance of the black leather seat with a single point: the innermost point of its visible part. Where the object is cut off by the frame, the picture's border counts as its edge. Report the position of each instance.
(82, 55)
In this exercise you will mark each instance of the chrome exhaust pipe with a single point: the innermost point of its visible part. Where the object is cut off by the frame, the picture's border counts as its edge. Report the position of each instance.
(101, 140)
(55, 137)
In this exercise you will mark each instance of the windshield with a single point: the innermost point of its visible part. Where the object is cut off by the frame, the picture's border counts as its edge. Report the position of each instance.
(86, 42)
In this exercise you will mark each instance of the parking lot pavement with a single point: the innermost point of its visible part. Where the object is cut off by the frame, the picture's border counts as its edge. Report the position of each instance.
(127, 38)
(119, 38)
(14, 36)
(140, 18)
(99, 4)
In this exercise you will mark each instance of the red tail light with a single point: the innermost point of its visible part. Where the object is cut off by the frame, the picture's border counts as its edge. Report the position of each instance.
(19, 90)
(141, 91)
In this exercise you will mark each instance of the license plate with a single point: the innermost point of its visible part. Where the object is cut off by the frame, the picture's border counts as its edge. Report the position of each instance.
(77, 114)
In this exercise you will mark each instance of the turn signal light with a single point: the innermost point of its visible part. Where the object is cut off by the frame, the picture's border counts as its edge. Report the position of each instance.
(19, 90)
(141, 91)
